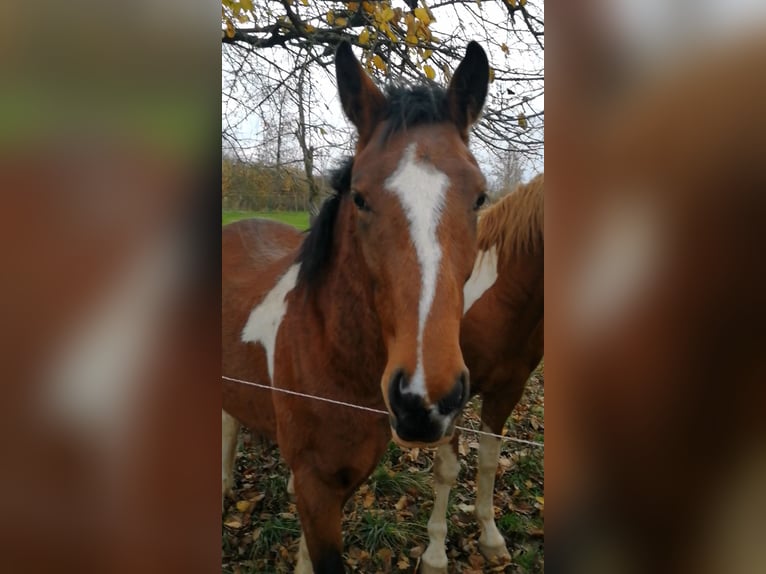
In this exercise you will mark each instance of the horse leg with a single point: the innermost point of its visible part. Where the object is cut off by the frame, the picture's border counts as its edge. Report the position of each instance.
(494, 412)
(229, 431)
(320, 509)
(303, 566)
(446, 469)
(291, 484)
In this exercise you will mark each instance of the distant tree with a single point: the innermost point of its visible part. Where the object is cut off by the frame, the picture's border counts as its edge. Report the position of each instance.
(276, 52)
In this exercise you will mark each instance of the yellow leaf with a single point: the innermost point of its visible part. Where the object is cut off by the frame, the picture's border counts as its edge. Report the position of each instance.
(387, 15)
(522, 121)
(247, 5)
(364, 37)
(368, 7)
(230, 28)
(330, 17)
(491, 75)
(427, 54)
(243, 505)
(448, 77)
(511, 2)
(411, 40)
(430, 74)
(309, 28)
(422, 15)
(340, 22)
(353, 6)
(233, 523)
(540, 499)
(379, 63)
(504, 48)
(523, 2)
(305, 2)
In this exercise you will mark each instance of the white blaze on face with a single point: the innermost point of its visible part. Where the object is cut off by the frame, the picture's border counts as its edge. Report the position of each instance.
(264, 321)
(483, 276)
(421, 189)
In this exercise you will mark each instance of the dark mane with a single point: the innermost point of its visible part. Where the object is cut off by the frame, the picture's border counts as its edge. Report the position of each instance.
(409, 106)
(315, 252)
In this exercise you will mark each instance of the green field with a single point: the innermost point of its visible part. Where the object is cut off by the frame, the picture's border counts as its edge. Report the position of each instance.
(299, 219)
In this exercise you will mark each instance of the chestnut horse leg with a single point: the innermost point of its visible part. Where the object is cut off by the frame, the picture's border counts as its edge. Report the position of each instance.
(495, 410)
(320, 508)
(229, 431)
(446, 468)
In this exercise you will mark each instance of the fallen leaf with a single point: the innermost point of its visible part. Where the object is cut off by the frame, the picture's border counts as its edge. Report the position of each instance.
(243, 505)
(233, 523)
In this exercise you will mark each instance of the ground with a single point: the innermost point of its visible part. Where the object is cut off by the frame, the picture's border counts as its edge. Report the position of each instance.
(299, 219)
(385, 522)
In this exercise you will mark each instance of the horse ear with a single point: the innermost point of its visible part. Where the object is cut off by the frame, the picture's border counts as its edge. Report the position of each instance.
(362, 101)
(468, 88)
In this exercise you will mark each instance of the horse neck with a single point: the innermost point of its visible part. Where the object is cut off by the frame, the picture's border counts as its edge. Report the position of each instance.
(343, 304)
(520, 281)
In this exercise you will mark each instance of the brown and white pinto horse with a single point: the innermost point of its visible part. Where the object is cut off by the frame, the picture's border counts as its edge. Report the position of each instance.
(502, 341)
(368, 308)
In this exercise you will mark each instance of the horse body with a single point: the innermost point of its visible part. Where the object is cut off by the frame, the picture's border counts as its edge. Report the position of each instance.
(502, 342)
(366, 309)
(256, 253)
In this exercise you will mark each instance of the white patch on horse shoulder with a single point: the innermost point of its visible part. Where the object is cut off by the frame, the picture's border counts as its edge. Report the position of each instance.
(264, 321)
(483, 276)
(421, 189)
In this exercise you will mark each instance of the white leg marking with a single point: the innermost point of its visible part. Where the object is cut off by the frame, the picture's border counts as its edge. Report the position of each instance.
(303, 565)
(264, 321)
(421, 189)
(491, 542)
(291, 484)
(483, 276)
(229, 430)
(446, 468)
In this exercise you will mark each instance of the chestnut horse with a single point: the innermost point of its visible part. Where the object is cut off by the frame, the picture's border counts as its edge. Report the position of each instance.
(502, 341)
(367, 308)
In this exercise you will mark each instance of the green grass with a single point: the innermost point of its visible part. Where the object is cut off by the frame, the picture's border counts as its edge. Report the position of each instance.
(299, 219)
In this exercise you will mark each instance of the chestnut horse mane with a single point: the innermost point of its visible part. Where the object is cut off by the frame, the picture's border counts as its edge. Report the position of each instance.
(515, 223)
(406, 106)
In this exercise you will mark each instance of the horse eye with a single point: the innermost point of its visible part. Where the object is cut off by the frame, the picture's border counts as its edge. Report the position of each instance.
(359, 201)
(480, 201)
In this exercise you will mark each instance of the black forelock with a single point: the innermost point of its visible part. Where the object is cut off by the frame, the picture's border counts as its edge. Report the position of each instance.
(409, 106)
(316, 250)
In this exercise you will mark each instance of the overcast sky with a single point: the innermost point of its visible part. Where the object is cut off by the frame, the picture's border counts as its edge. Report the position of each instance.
(326, 105)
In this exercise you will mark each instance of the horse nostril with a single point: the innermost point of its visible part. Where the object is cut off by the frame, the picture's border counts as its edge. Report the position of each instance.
(456, 397)
(396, 389)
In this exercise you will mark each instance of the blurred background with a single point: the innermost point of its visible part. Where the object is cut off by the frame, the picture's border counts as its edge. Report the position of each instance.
(109, 357)
(655, 149)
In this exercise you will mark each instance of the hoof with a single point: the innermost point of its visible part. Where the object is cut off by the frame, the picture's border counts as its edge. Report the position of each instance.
(436, 564)
(497, 554)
